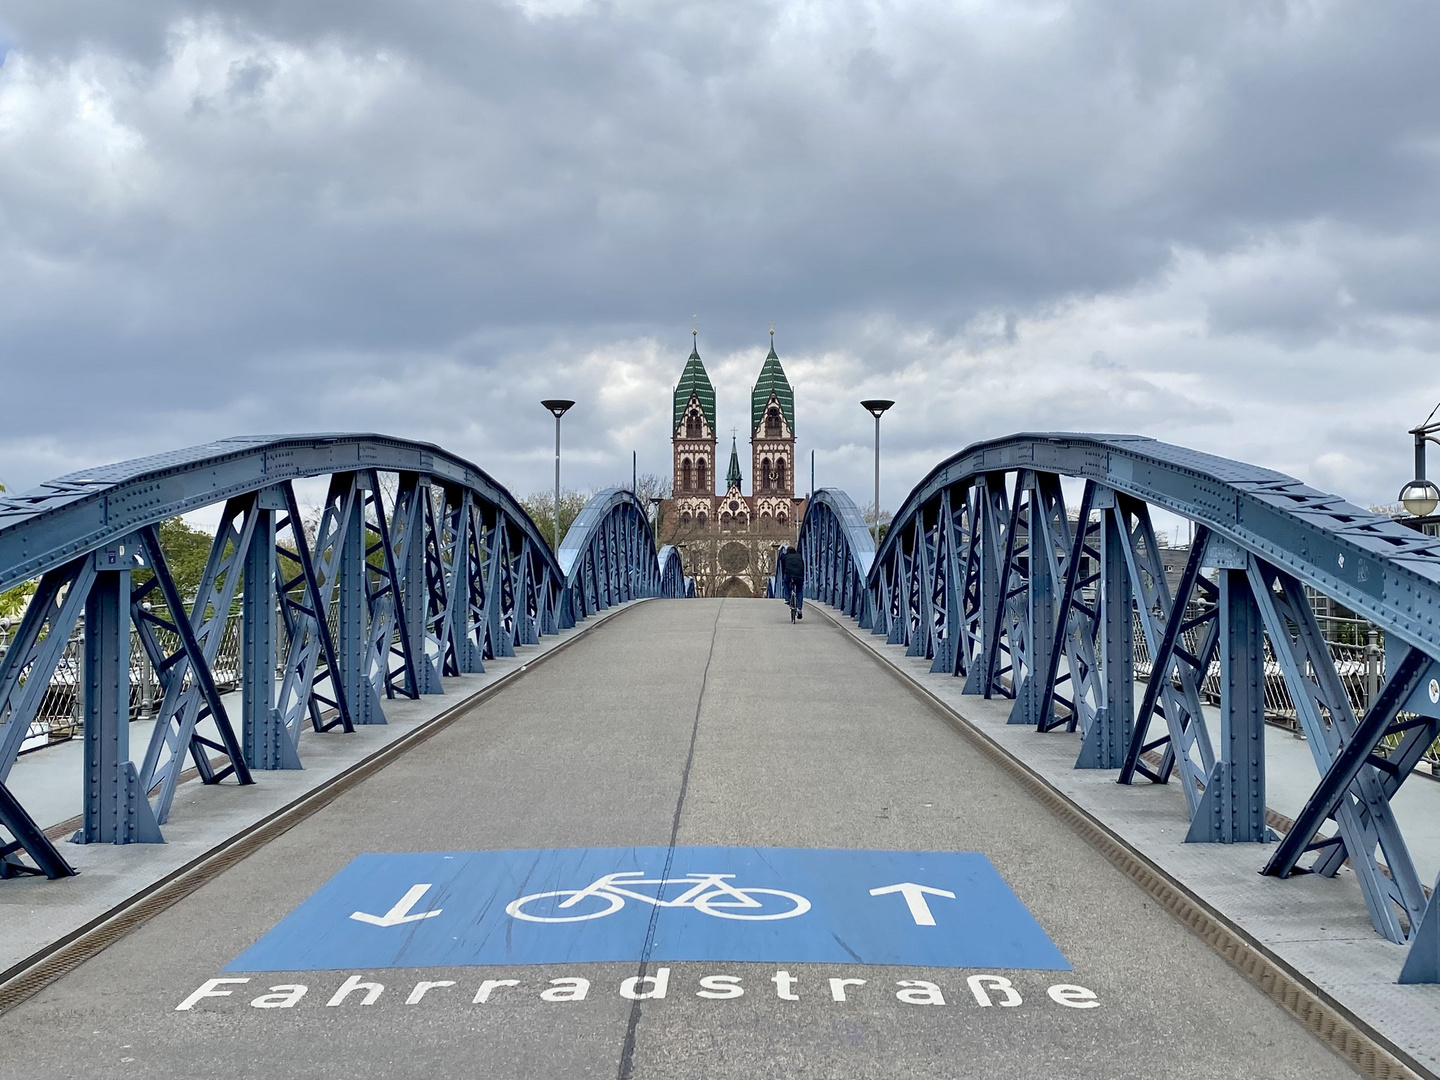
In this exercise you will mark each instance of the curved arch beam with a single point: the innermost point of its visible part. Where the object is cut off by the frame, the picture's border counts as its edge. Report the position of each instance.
(420, 566)
(51, 524)
(839, 553)
(1385, 572)
(987, 572)
(672, 573)
(608, 556)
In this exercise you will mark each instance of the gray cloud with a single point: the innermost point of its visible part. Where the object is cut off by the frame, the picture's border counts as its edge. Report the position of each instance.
(421, 217)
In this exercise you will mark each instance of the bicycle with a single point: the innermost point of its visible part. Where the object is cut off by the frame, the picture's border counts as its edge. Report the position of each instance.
(709, 894)
(792, 596)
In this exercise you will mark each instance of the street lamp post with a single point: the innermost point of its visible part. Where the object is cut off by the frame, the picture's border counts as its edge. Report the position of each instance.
(876, 407)
(1420, 496)
(558, 407)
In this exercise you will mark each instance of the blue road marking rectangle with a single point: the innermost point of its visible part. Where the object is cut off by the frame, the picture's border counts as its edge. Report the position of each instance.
(587, 905)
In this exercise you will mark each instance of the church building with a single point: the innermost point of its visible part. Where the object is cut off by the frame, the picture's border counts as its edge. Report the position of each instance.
(729, 541)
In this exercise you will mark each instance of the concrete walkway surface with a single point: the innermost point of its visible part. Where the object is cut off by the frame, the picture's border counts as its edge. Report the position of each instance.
(1316, 925)
(679, 726)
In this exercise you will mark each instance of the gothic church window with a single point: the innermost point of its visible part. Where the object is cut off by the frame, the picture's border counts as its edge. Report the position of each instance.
(780, 474)
(772, 422)
(685, 475)
(692, 427)
(765, 474)
(702, 476)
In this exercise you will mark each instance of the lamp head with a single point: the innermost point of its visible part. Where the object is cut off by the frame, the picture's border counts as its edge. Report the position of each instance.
(558, 406)
(876, 406)
(1420, 497)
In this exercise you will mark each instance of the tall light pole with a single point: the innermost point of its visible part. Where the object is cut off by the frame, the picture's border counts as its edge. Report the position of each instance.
(1420, 496)
(558, 408)
(876, 407)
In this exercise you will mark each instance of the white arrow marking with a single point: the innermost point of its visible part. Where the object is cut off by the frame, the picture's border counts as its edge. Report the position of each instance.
(915, 899)
(400, 913)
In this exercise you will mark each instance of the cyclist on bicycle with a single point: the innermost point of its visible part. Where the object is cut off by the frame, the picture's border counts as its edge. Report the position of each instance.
(792, 572)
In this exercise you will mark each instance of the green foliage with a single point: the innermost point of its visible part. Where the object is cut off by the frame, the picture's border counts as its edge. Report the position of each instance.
(186, 550)
(13, 601)
(541, 508)
(868, 515)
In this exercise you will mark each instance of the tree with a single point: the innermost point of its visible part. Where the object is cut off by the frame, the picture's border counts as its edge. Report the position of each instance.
(650, 489)
(541, 507)
(186, 551)
(868, 514)
(13, 600)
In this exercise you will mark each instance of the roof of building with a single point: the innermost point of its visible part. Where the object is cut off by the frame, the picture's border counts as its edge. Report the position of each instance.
(732, 476)
(694, 380)
(772, 381)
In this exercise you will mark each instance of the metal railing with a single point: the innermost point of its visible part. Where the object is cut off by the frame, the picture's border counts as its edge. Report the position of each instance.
(60, 716)
(1361, 669)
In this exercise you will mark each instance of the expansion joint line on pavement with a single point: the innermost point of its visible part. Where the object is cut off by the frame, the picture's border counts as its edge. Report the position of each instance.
(627, 1049)
(38, 970)
(1357, 1042)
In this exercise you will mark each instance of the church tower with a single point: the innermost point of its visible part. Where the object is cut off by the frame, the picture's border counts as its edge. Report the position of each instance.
(729, 541)
(693, 439)
(772, 441)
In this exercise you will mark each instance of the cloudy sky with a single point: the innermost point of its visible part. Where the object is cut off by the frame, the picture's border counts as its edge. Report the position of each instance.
(1212, 222)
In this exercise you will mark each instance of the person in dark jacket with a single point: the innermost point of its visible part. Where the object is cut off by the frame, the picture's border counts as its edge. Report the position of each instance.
(792, 573)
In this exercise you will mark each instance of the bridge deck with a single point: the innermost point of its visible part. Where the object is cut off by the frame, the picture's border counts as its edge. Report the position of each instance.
(676, 725)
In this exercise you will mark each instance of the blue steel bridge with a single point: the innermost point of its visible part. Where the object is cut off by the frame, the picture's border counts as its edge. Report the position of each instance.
(987, 650)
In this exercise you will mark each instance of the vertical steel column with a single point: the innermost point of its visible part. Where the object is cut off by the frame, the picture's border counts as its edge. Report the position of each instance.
(1232, 810)
(994, 513)
(467, 653)
(1109, 736)
(947, 586)
(498, 591)
(1039, 607)
(267, 745)
(353, 639)
(116, 811)
(417, 594)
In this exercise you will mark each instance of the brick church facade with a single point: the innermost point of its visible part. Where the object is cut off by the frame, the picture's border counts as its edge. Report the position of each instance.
(729, 541)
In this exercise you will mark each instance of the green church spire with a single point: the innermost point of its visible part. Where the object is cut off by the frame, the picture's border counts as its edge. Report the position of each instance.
(772, 380)
(694, 380)
(732, 477)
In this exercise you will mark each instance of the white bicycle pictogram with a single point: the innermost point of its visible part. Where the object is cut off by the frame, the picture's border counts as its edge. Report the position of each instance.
(709, 894)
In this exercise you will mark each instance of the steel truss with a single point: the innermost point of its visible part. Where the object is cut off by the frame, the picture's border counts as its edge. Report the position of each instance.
(838, 553)
(419, 567)
(987, 572)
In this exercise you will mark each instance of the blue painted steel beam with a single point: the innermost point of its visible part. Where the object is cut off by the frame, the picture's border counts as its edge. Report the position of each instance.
(184, 705)
(1232, 810)
(1355, 755)
(29, 838)
(1267, 535)
(115, 808)
(417, 589)
(74, 514)
(1378, 568)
